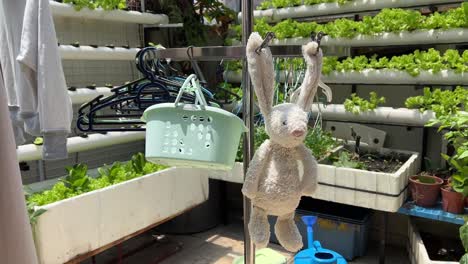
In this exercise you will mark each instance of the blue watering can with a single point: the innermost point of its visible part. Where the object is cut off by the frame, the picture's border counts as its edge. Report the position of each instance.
(315, 254)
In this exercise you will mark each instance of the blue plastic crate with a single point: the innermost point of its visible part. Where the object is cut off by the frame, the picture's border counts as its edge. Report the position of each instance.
(340, 228)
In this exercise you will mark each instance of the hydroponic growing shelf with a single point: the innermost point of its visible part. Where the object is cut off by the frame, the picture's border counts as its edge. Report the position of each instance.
(68, 10)
(352, 7)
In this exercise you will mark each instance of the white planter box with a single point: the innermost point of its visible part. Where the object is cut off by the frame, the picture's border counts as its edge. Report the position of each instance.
(375, 190)
(369, 189)
(417, 251)
(94, 220)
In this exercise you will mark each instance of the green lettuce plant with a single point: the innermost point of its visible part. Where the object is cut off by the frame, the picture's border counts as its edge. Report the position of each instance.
(439, 101)
(356, 104)
(78, 181)
(93, 4)
(392, 20)
(429, 60)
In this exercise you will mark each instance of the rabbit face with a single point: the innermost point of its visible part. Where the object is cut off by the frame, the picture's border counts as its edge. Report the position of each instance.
(287, 125)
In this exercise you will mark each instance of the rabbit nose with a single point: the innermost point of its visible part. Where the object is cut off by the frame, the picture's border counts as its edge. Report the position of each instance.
(298, 132)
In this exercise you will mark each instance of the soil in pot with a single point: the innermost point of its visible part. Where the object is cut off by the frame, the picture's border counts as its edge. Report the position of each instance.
(452, 202)
(368, 160)
(425, 189)
(442, 248)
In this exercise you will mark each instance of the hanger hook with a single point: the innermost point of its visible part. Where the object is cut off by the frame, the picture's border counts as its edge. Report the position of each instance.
(190, 53)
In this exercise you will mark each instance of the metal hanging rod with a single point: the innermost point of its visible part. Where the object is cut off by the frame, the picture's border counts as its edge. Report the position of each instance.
(217, 53)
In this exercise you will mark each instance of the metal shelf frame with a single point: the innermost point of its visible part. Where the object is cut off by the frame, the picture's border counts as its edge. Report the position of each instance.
(217, 53)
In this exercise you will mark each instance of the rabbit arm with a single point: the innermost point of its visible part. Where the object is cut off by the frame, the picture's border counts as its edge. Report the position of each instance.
(304, 96)
(257, 165)
(261, 71)
(309, 179)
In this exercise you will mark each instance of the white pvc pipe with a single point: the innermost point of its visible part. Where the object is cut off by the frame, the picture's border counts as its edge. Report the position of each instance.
(67, 10)
(381, 115)
(396, 77)
(457, 35)
(384, 76)
(78, 144)
(69, 52)
(83, 95)
(275, 15)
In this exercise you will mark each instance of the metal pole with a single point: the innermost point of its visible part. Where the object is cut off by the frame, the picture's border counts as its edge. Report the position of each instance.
(247, 114)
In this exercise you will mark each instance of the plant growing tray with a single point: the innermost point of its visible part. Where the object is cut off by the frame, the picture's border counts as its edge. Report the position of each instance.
(417, 250)
(376, 190)
(76, 227)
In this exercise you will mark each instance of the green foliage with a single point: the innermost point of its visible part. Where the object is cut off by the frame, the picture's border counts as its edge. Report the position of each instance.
(288, 3)
(430, 60)
(317, 140)
(38, 141)
(93, 4)
(413, 64)
(320, 142)
(447, 107)
(425, 179)
(464, 239)
(388, 20)
(78, 181)
(345, 159)
(356, 104)
(442, 102)
(464, 259)
(223, 95)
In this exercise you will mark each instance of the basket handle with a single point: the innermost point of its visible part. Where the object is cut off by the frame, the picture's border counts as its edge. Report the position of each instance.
(195, 86)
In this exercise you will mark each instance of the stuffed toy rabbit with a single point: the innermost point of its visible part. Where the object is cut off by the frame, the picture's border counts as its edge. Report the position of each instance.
(273, 181)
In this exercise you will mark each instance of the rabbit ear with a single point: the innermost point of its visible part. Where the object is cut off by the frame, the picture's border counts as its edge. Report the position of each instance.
(261, 71)
(313, 57)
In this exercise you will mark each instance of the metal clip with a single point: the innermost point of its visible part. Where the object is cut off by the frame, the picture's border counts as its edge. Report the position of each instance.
(317, 37)
(268, 37)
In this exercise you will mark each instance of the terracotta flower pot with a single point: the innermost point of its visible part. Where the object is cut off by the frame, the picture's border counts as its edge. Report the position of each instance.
(452, 202)
(425, 194)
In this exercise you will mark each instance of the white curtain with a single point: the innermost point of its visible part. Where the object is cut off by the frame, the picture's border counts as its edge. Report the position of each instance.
(16, 240)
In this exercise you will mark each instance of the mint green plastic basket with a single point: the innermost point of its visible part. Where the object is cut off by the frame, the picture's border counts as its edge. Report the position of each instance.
(192, 135)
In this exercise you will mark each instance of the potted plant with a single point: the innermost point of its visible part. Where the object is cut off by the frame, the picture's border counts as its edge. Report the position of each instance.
(457, 125)
(454, 193)
(425, 189)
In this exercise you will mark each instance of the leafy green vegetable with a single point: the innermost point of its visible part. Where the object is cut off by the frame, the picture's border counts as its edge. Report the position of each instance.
(345, 159)
(356, 104)
(430, 60)
(388, 20)
(38, 141)
(289, 3)
(440, 101)
(78, 181)
(93, 4)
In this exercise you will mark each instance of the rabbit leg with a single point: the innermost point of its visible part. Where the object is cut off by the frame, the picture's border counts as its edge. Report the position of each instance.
(259, 228)
(287, 233)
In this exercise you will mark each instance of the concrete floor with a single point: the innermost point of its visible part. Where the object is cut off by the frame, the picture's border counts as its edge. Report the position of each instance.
(220, 245)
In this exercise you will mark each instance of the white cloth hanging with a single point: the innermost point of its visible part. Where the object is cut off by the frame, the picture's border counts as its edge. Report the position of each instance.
(44, 102)
(16, 240)
(38, 96)
(11, 23)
